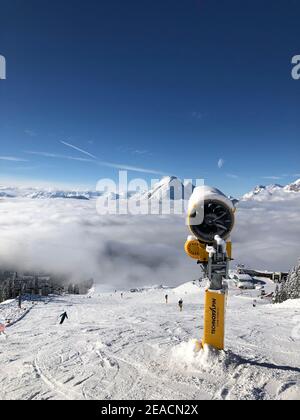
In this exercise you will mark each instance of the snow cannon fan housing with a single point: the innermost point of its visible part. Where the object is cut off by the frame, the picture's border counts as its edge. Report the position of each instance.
(215, 214)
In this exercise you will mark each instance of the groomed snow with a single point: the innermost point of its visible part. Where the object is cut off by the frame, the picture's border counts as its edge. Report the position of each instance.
(140, 348)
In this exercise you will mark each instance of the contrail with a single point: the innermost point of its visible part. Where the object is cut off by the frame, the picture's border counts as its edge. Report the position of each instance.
(130, 168)
(12, 159)
(79, 150)
(57, 156)
(114, 165)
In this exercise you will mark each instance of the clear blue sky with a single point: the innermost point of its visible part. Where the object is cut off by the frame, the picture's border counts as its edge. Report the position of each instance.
(170, 86)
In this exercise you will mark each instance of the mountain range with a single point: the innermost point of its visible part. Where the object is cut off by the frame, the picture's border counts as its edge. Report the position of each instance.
(168, 187)
(272, 192)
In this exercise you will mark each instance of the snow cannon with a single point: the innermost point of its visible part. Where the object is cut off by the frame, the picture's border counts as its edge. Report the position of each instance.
(210, 214)
(211, 220)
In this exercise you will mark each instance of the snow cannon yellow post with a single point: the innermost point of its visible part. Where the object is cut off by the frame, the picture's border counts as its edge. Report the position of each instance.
(211, 220)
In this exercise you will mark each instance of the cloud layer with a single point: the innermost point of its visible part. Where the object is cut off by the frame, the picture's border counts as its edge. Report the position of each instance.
(267, 234)
(69, 237)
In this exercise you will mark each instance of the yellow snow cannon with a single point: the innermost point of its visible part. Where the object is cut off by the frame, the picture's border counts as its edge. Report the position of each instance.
(211, 220)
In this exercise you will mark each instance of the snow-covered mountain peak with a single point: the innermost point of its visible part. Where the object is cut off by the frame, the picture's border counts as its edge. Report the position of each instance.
(171, 188)
(273, 192)
(293, 187)
(167, 180)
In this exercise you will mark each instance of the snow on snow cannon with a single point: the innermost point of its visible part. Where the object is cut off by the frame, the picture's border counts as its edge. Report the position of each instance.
(211, 221)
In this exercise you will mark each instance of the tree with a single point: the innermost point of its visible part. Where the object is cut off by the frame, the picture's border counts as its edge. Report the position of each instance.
(290, 288)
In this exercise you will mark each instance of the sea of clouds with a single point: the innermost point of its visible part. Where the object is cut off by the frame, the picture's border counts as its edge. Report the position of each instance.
(69, 237)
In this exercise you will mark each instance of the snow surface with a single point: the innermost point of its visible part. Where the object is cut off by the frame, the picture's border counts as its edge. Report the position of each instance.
(140, 348)
(10, 312)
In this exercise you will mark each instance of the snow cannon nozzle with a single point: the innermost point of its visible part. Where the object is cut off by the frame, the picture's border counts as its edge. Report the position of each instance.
(210, 215)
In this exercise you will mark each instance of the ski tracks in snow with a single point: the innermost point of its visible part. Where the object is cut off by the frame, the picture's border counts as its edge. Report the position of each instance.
(122, 349)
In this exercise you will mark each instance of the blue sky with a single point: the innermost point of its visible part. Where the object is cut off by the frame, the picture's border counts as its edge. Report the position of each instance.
(196, 88)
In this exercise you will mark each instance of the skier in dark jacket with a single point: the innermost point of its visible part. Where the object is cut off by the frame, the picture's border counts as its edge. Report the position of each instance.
(63, 317)
(180, 304)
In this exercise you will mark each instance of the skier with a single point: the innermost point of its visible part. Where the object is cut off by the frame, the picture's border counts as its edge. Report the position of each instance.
(63, 317)
(180, 304)
(2, 329)
(167, 299)
(254, 303)
(122, 295)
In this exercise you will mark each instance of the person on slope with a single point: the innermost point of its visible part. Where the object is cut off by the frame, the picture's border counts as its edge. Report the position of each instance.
(63, 317)
(2, 329)
(180, 304)
(167, 299)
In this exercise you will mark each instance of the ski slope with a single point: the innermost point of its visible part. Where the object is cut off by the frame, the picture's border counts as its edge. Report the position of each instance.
(140, 348)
